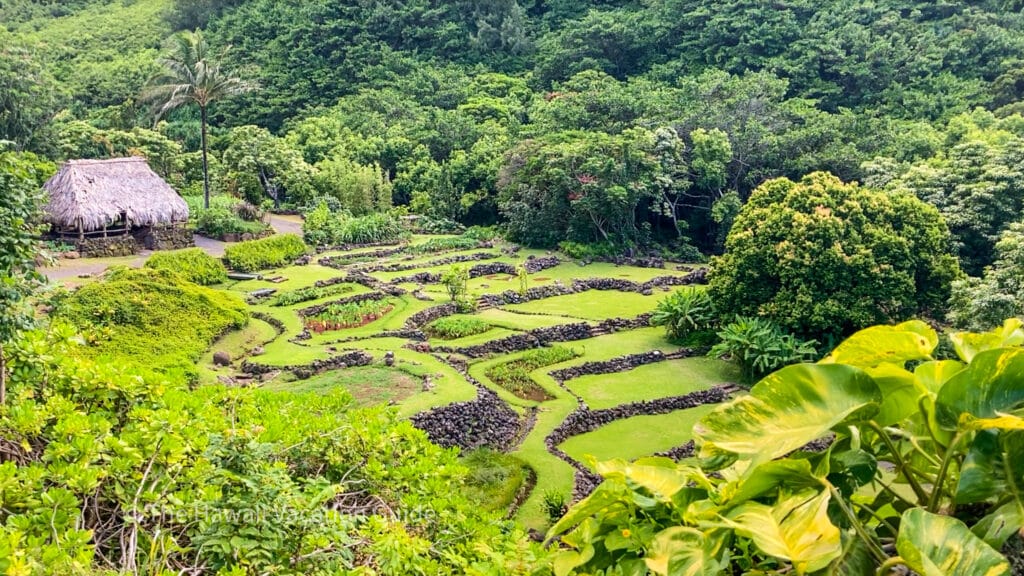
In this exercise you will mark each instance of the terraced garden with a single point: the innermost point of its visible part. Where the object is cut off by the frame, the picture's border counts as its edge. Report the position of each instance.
(552, 369)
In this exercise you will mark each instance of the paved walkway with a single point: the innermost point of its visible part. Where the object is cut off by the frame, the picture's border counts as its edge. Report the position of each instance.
(66, 269)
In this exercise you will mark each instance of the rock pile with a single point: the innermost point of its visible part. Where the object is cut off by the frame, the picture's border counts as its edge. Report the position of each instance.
(534, 264)
(486, 421)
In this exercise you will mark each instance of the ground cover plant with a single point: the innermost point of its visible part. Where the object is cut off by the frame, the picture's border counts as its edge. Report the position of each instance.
(454, 327)
(515, 377)
(194, 264)
(921, 473)
(348, 315)
(451, 243)
(495, 479)
(134, 317)
(264, 253)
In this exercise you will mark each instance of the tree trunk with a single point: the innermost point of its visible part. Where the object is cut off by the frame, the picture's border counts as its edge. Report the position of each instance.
(3, 376)
(206, 166)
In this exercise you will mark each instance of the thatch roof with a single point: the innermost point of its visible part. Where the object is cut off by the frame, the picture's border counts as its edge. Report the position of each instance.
(96, 192)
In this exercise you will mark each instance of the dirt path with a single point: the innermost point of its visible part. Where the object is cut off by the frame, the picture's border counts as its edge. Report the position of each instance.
(67, 269)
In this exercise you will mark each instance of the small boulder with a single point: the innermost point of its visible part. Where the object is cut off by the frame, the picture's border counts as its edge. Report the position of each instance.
(257, 351)
(221, 358)
(72, 255)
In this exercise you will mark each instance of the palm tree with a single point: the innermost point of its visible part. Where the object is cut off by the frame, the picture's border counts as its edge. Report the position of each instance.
(191, 75)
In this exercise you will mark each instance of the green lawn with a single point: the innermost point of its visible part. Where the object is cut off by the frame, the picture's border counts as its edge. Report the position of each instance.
(369, 385)
(295, 277)
(591, 305)
(659, 380)
(635, 437)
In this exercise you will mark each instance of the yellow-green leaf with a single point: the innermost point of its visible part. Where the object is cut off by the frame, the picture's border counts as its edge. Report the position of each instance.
(796, 529)
(787, 410)
(877, 345)
(934, 545)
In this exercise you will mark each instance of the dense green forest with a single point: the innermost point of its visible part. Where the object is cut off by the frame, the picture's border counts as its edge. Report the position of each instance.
(487, 197)
(654, 120)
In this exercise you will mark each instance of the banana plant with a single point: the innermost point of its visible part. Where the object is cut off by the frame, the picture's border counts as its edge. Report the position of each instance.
(919, 465)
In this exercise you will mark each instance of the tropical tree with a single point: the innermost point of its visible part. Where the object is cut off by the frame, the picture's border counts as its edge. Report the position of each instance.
(823, 258)
(191, 74)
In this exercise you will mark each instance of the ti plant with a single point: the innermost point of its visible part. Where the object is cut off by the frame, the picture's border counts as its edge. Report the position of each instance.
(919, 465)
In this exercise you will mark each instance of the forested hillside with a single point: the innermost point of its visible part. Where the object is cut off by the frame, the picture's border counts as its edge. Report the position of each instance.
(677, 108)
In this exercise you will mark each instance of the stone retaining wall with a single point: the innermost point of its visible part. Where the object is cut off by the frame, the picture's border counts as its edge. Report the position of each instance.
(304, 371)
(110, 247)
(424, 317)
(543, 336)
(698, 276)
(167, 238)
(398, 267)
(622, 363)
(534, 264)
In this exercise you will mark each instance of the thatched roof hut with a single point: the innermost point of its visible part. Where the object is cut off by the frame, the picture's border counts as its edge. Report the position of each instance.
(90, 195)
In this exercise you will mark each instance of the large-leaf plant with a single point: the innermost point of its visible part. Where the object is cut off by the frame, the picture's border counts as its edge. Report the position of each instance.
(919, 465)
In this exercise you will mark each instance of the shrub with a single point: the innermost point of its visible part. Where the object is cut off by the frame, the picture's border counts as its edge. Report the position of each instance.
(456, 282)
(321, 227)
(152, 318)
(145, 458)
(219, 222)
(921, 473)
(193, 264)
(264, 253)
(759, 346)
(683, 312)
(578, 251)
(822, 258)
(554, 505)
(428, 225)
(482, 233)
(226, 215)
(452, 327)
(445, 244)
